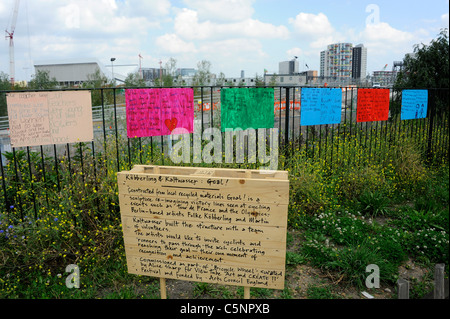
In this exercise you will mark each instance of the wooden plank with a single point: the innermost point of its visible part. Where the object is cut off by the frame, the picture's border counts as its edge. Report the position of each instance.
(246, 292)
(213, 172)
(162, 287)
(212, 188)
(205, 224)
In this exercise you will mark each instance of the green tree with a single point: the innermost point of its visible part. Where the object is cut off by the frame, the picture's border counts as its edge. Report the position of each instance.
(221, 79)
(134, 80)
(5, 84)
(203, 74)
(98, 80)
(273, 80)
(428, 67)
(42, 81)
(259, 80)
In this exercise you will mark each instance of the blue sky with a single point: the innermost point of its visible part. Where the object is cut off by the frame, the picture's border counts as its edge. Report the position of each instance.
(249, 35)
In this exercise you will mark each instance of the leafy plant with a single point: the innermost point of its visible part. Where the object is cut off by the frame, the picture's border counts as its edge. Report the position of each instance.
(373, 203)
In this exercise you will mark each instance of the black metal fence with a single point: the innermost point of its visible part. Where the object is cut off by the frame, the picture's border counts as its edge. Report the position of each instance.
(35, 179)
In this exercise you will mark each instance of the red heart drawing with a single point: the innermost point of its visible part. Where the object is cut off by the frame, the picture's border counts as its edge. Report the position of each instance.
(171, 124)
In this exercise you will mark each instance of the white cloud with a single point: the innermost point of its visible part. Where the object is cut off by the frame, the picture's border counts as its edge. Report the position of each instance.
(171, 43)
(187, 25)
(383, 37)
(222, 10)
(234, 47)
(294, 52)
(147, 8)
(311, 25)
(444, 20)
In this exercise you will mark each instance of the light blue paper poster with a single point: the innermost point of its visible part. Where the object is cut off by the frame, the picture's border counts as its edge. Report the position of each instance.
(414, 104)
(320, 106)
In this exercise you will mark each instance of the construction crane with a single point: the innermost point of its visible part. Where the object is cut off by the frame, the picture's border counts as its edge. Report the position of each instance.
(10, 36)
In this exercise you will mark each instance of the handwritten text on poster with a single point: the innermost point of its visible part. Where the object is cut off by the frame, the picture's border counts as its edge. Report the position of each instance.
(247, 108)
(320, 106)
(414, 104)
(42, 118)
(156, 112)
(373, 105)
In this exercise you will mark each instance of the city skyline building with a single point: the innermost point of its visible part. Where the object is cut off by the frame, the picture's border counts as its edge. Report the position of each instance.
(288, 67)
(344, 61)
(359, 62)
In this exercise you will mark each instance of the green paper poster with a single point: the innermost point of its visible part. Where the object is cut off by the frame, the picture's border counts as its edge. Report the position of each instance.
(247, 108)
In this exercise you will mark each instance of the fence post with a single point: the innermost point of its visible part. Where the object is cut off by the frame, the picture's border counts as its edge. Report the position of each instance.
(431, 115)
(286, 120)
(403, 289)
(439, 292)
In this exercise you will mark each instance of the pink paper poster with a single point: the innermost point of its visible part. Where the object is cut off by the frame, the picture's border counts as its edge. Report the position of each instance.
(156, 112)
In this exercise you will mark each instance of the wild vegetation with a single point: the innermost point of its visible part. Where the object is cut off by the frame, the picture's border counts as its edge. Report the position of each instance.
(349, 208)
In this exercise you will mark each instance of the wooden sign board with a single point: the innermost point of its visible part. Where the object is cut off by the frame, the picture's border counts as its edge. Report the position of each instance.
(225, 226)
(42, 118)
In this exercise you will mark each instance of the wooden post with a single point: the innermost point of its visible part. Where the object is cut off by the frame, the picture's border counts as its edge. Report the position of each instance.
(439, 292)
(246, 292)
(162, 287)
(403, 289)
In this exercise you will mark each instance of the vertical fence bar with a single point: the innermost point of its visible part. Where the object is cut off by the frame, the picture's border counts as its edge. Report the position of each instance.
(351, 125)
(81, 161)
(201, 105)
(140, 150)
(211, 124)
(279, 117)
(129, 152)
(6, 201)
(286, 120)
(104, 129)
(56, 167)
(293, 119)
(43, 176)
(31, 182)
(116, 129)
(19, 197)
(300, 134)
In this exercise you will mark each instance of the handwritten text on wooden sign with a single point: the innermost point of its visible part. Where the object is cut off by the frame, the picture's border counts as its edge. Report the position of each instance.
(204, 228)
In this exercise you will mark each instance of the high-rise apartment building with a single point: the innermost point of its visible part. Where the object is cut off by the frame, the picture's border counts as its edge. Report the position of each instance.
(343, 61)
(324, 63)
(359, 63)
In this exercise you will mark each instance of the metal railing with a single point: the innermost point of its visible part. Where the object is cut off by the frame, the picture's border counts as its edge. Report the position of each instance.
(30, 176)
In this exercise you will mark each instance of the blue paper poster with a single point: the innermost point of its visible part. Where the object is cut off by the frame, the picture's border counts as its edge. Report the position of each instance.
(320, 106)
(414, 104)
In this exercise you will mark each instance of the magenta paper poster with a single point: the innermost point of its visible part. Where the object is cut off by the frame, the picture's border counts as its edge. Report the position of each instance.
(156, 112)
